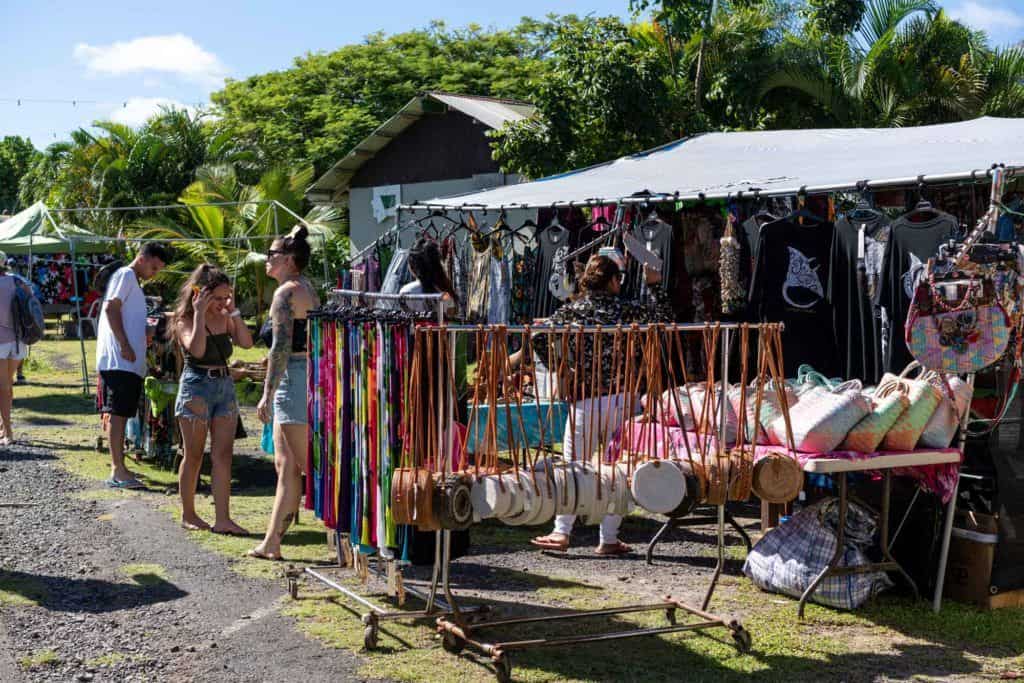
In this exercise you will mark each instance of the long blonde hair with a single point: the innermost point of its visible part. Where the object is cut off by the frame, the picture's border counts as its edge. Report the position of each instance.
(207, 276)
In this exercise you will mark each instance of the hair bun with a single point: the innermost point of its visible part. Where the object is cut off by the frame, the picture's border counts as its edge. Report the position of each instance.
(299, 232)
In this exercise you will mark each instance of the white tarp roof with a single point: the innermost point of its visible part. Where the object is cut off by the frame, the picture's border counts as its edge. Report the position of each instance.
(776, 162)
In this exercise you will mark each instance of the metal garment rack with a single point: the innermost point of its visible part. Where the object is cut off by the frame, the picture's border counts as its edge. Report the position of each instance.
(433, 605)
(458, 633)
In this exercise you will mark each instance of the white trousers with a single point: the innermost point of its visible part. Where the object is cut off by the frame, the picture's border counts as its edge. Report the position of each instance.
(588, 431)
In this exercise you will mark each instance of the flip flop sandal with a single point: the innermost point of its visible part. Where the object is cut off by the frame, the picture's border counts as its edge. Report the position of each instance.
(545, 543)
(616, 550)
(132, 484)
(263, 556)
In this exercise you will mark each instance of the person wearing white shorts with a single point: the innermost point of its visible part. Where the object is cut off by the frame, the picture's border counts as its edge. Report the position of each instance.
(11, 350)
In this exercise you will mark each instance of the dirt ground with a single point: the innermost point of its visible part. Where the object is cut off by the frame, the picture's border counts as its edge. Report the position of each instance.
(104, 585)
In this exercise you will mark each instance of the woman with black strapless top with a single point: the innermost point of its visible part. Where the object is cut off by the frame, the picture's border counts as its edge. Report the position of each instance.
(208, 327)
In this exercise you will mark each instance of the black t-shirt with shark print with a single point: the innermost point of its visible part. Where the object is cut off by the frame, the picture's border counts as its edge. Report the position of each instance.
(789, 286)
(911, 244)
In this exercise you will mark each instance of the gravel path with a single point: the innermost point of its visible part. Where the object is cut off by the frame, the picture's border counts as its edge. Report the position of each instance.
(192, 620)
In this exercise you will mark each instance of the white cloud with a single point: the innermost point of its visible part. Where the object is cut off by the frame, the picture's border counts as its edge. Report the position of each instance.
(137, 110)
(1001, 23)
(172, 54)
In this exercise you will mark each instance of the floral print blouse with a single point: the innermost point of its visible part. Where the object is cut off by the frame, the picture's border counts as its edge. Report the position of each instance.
(599, 309)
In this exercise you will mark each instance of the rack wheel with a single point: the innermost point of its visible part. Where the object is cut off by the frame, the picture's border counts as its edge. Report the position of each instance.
(741, 639)
(670, 616)
(503, 669)
(370, 637)
(293, 588)
(452, 643)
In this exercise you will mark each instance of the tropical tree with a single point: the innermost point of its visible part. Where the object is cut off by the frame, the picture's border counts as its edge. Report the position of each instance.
(230, 223)
(16, 155)
(115, 165)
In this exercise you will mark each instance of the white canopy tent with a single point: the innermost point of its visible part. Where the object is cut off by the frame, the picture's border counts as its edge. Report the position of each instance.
(783, 162)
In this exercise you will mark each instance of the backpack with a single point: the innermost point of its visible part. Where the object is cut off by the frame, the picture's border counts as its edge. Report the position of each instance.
(27, 317)
(103, 275)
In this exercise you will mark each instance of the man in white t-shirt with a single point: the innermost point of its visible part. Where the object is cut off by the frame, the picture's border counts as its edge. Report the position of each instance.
(121, 352)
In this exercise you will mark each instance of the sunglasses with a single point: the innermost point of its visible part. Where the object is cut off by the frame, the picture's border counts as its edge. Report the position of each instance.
(275, 252)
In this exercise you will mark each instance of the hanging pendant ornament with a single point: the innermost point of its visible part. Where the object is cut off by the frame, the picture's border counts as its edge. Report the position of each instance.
(733, 296)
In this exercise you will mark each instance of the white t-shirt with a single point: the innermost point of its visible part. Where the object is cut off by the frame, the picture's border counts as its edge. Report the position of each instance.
(421, 305)
(123, 285)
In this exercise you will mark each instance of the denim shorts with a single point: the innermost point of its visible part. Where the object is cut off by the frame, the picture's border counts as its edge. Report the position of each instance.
(290, 398)
(203, 397)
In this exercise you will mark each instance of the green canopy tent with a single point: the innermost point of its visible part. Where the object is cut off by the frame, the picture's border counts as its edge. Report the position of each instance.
(35, 231)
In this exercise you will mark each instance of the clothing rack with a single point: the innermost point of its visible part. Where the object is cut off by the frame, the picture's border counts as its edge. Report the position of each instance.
(434, 605)
(457, 632)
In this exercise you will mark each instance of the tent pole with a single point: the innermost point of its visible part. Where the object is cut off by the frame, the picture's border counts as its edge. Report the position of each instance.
(78, 319)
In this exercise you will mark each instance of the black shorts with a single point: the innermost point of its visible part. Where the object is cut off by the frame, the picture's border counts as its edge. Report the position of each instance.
(120, 392)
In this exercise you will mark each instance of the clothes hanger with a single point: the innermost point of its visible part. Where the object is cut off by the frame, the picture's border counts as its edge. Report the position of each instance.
(923, 207)
(802, 213)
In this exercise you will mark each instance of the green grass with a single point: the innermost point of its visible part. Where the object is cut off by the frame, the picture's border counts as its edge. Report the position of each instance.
(145, 574)
(890, 635)
(108, 660)
(20, 590)
(39, 659)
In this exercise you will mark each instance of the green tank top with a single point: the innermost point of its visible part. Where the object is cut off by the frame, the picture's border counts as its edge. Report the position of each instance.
(218, 351)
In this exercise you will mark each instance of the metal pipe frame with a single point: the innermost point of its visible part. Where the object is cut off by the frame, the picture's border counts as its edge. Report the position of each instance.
(947, 526)
(604, 329)
(976, 175)
(459, 629)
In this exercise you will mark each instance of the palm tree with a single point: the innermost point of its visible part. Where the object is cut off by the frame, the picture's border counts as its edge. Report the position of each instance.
(857, 80)
(233, 223)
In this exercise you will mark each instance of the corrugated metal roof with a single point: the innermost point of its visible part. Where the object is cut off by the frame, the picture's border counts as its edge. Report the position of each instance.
(491, 112)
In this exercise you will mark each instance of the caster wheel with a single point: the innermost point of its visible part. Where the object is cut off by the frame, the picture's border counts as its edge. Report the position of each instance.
(293, 589)
(503, 669)
(670, 616)
(742, 641)
(370, 638)
(451, 643)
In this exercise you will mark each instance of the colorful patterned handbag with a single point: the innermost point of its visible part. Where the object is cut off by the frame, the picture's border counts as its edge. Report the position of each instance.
(869, 432)
(822, 418)
(956, 401)
(956, 326)
(923, 399)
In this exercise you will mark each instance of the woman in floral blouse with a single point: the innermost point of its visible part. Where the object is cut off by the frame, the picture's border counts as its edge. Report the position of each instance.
(599, 303)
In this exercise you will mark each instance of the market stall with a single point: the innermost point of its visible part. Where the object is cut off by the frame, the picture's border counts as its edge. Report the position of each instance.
(857, 250)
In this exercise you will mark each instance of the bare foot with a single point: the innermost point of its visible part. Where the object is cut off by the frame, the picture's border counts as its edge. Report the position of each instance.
(260, 553)
(194, 524)
(122, 475)
(553, 541)
(229, 528)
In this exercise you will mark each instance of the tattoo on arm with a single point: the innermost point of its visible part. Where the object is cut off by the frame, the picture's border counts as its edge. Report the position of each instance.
(282, 322)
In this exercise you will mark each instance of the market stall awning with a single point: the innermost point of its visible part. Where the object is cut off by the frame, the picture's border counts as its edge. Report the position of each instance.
(776, 162)
(35, 229)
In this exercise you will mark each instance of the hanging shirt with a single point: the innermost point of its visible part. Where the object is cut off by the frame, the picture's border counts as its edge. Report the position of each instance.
(788, 286)
(552, 276)
(851, 294)
(911, 244)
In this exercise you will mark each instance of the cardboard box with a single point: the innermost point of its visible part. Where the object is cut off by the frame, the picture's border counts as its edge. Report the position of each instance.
(971, 551)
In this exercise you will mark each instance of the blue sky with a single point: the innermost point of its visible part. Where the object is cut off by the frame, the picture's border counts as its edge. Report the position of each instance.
(121, 60)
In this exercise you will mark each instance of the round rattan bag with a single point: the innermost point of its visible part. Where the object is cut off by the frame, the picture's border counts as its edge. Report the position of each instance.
(777, 478)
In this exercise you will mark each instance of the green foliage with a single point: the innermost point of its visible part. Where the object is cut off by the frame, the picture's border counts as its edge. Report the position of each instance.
(605, 94)
(116, 165)
(316, 111)
(16, 156)
(834, 17)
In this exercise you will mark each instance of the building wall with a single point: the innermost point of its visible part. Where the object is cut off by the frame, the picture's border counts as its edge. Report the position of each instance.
(365, 227)
(436, 147)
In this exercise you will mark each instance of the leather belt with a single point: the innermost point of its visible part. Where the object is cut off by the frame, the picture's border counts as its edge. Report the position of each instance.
(212, 373)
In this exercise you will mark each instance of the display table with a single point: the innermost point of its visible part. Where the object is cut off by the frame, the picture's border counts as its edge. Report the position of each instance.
(543, 423)
(887, 464)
